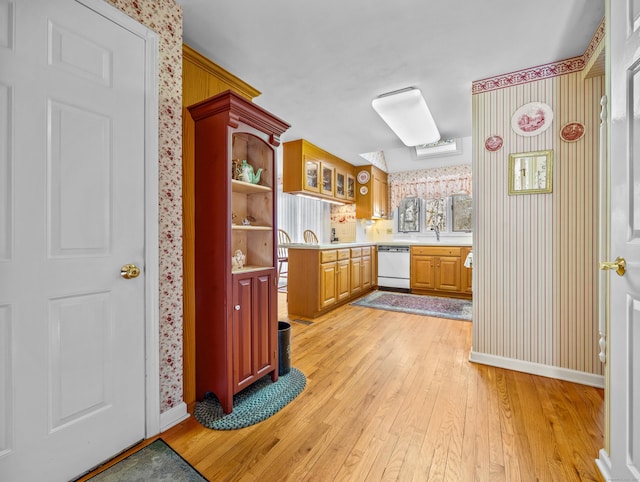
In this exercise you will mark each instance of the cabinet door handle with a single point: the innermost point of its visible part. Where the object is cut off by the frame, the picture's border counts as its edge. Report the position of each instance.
(237, 307)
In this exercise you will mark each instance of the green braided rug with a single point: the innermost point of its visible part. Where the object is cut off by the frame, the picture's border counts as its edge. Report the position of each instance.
(254, 404)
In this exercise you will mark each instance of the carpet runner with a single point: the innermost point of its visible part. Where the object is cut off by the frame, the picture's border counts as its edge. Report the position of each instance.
(451, 308)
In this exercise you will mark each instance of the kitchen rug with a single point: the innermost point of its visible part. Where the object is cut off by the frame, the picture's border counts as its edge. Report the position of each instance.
(452, 308)
(254, 404)
(156, 461)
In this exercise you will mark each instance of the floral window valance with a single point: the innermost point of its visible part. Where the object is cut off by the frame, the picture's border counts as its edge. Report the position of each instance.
(429, 183)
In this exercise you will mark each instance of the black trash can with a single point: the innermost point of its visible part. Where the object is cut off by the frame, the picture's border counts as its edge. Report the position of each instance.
(284, 347)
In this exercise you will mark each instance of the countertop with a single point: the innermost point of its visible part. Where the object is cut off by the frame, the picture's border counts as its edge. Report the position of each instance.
(446, 242)
(326, 246)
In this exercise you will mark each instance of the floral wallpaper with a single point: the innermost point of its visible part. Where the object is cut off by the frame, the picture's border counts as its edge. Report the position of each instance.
(165, 18)
(377, 159)
(429, 183)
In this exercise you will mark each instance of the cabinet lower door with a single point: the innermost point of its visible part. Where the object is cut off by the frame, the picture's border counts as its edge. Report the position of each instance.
(254, 353)
(265, 314)
(356, 275)
(423, 272)
(367, 273)
(448, 273)
(328, 288)
(343, 279)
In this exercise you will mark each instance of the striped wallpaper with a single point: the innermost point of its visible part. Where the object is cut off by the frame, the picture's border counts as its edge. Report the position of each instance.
(535, 256)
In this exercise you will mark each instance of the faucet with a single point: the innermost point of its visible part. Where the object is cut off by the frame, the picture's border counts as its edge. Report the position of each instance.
(436, 229)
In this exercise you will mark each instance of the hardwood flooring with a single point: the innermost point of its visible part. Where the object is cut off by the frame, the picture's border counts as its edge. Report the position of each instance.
(392, 396)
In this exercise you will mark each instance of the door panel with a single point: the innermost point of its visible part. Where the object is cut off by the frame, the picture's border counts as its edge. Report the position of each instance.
(623, 330)
(243, 331)
(72, 132)
(80, 212)
(262, 339)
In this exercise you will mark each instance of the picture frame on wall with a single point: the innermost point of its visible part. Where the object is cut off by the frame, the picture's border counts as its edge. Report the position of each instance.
(531, 172)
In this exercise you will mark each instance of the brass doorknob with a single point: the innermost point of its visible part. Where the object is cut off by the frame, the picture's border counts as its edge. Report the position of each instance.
(129, 271)
(620, 265)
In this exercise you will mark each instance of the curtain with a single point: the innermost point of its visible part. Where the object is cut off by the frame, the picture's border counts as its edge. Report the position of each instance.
(295, 214)
(433, 183)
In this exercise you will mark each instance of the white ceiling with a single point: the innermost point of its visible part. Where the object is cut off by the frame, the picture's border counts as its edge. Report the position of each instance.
(320, 63)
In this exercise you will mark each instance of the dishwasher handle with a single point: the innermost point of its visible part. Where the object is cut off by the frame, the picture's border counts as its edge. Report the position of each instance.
(393, 249)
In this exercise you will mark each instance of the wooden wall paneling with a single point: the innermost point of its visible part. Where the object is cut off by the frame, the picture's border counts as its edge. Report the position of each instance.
(201, 79)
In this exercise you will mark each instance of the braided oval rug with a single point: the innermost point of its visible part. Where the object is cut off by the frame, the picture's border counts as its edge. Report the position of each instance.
(254, 404)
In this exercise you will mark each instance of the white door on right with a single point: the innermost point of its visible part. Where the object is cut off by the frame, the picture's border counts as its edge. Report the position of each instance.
(624, 327)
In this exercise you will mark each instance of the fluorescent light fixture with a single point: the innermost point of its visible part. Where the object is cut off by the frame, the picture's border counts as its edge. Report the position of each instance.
(320, 199)
(407, 114)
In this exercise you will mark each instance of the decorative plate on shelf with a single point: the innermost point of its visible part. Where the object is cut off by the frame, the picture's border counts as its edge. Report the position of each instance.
(364, 190)
(493, 143)
(532, 119)
(571, 132)
(363, 177)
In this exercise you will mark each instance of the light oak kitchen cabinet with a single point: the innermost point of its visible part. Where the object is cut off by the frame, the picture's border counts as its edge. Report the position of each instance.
(310, 170)
(438, 271)
(467, 273)
(323, 277)
(372, 193)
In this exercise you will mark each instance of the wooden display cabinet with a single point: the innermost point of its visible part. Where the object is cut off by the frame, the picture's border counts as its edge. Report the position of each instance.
(236, 323)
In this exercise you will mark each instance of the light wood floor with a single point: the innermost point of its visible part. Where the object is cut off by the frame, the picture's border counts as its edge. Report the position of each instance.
(392, 396)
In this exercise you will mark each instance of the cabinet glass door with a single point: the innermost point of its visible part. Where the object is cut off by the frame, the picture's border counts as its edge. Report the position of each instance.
(311, 175)
(340, 184)
(327, 180)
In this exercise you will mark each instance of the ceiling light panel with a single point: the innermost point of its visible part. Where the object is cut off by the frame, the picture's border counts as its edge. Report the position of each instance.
(407, 114)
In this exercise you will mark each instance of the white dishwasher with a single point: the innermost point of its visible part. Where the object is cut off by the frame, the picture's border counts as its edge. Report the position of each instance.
(394, 266)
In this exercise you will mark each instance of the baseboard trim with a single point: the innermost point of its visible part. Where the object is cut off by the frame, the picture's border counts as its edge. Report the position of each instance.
(173, 416)
(566, 374)
(604, 464)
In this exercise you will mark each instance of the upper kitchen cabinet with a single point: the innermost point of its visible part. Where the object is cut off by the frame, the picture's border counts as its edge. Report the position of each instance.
(372, 193)
(313, 171)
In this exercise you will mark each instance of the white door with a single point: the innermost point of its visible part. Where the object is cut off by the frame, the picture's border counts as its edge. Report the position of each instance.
(72, 339)
(624, 327)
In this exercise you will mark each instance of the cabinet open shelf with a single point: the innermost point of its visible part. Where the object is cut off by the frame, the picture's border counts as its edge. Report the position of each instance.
(247, 269)
(247, 187)
(250, 227)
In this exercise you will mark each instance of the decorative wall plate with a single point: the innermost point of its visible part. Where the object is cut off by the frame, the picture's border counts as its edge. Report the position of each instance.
(532, 119)
(363, 177)
(571, 132)
(493, 143)
(364, 190)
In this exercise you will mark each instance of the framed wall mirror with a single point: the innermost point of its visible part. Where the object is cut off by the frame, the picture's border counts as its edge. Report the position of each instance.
(530, 172)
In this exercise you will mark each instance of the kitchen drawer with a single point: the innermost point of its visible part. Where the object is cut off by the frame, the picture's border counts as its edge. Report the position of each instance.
(366, 251)
(328, 256)
(436, 250)
(356, 252)
(343, 254)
